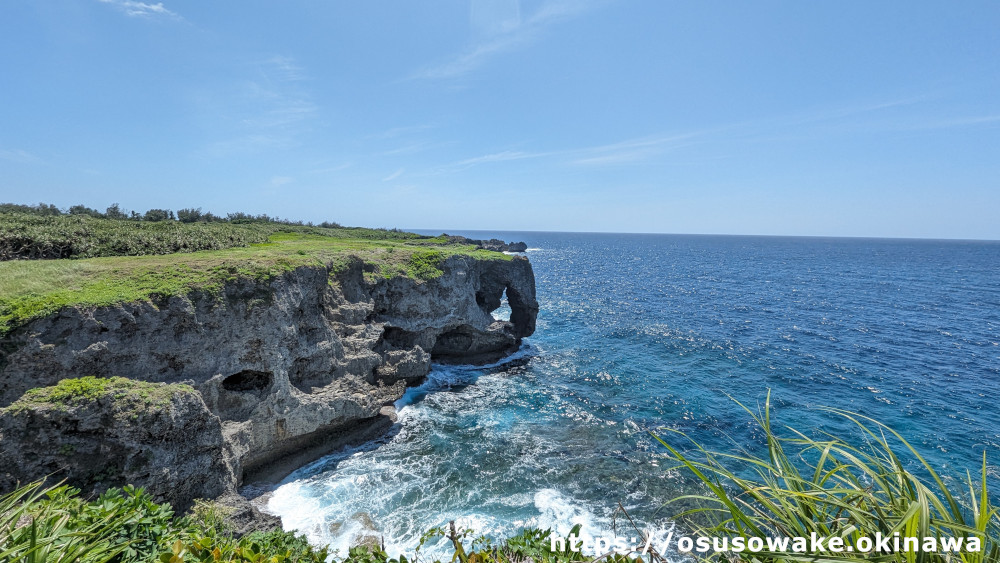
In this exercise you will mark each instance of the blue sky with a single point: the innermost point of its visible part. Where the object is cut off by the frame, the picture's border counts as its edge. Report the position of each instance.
(851, 118)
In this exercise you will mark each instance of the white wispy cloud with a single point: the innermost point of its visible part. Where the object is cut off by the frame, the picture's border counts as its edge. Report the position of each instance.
(250, 143)
(953, 122)
(274, 98)
(329, 169)
(399, 131)
(720, 141)
(490, 17)
(510, 35)
(836, 113)
(909, 114)
(411, 148)
(497, 157)
(630, 151)
(409, 139)
(634, 150)
(286, 67)
(268, 109)
(142, 9)
(19, 156)
(281, 180)
(393, 176)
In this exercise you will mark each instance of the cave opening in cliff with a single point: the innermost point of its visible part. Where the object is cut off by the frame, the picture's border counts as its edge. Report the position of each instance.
(398, 338)
(492, 297)
(502, 313)
(248, 380)
(514, 308)
(455, 343)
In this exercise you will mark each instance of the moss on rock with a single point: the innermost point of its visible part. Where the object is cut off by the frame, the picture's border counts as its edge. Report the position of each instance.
(127, 394)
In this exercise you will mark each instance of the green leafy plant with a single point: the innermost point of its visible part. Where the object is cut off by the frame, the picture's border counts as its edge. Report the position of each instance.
(531, 544)
(40, 524)
(259, 547)
(52, 524)
(536, 545)
(805, 485)
(143, 526)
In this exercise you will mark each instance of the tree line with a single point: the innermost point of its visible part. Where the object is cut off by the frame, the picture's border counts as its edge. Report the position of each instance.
(186, 215)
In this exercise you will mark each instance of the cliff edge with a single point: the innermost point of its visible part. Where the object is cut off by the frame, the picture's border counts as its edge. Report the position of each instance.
(257, 377)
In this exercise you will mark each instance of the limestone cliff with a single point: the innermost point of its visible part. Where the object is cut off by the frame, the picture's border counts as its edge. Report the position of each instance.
(283, 369)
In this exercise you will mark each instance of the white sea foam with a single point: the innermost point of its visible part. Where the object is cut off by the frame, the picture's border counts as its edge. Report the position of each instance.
(447, 376)
(503, 312)
(560, 514)
(390, 489)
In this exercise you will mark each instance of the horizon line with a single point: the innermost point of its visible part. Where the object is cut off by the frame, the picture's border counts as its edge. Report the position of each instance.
(857, 237)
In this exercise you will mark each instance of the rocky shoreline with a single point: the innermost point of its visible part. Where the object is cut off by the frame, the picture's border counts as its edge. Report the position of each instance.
(212, 392)
(493, 244)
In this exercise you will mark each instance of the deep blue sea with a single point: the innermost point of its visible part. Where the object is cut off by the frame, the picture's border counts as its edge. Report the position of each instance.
(640, 332)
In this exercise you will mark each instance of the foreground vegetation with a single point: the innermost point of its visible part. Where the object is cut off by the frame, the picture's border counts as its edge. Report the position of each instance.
(43, 525)
(54, 525)
(828, 487)
(133, 261)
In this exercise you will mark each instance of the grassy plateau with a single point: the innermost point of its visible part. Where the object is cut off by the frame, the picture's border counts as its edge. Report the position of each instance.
(33, 288)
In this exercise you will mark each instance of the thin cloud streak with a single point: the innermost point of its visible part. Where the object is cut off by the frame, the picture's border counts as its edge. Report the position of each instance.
(330, 169)
(19, 156)
(269, 111)
(133, 8)
(498, 157)
(393, 176)
(399, 131)
(624, 152)
(285, 67)
(887, 117)
(811, 124)
(635, 150)
(412, 148)
(950, 123)
(515, 37)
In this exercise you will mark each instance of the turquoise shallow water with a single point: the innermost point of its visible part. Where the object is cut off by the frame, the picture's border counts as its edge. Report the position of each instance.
(638, 332)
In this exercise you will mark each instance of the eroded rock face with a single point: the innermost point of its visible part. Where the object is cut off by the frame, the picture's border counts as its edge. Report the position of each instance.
(168, 447)
(285, 366)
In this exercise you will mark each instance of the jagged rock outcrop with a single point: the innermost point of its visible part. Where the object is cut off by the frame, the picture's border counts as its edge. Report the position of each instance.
(285, 369)
(162, 436)
(494, 244)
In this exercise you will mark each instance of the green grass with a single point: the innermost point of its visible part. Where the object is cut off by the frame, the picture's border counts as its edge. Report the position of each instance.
(827, 486)
(130, 393)
(30, 289)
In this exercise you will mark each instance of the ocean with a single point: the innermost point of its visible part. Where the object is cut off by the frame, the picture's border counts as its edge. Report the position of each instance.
(641, 334)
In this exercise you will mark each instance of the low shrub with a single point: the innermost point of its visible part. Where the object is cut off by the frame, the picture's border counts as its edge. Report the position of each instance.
(69, 392)
(425, 264)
